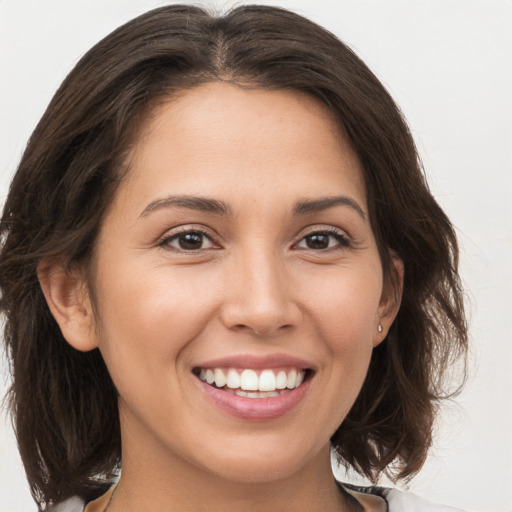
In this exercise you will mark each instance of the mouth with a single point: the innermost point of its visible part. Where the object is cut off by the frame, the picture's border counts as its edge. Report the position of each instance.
(255, 387)
(252, 382)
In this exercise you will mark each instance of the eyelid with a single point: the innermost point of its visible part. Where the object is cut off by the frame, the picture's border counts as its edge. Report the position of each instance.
(181, 230)
(330, 230)
(327, 230)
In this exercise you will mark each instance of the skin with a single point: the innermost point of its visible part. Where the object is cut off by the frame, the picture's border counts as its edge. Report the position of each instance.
(254, 285)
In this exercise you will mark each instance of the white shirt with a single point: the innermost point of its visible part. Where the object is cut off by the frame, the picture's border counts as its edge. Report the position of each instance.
(372, 499)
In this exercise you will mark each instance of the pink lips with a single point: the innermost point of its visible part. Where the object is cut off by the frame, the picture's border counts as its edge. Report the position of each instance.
(257, 362)
(255, 409)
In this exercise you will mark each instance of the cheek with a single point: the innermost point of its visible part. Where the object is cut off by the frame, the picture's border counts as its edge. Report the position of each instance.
(148, 318)
(343, 309)
(347, 330)
(344, 305)
(339, 314)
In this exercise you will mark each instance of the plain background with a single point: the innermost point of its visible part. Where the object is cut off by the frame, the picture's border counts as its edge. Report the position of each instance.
(448, 65)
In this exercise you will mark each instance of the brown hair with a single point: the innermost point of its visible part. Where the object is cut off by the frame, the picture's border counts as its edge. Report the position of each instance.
(63, 402)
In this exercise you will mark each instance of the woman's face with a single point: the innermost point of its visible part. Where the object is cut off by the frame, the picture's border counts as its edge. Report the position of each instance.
(238, 249)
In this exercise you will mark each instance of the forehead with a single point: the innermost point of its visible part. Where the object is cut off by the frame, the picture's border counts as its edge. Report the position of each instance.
(219, 134)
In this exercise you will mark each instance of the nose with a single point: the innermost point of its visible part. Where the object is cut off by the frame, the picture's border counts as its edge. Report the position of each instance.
(259, 296)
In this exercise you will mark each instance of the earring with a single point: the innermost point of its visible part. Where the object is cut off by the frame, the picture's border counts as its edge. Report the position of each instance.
(380, 328)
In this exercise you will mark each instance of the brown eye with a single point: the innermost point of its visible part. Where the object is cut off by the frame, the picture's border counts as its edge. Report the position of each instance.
(317, 241)
(322, 240)
(188, 241)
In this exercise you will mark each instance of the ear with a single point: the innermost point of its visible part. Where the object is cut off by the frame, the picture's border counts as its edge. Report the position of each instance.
(390, 300)
(68, 299)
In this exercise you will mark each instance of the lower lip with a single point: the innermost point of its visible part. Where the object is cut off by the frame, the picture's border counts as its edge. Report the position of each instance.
(255, 409)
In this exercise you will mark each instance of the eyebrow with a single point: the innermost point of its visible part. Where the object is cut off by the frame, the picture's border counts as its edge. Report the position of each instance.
(204, 204)
(306, 206)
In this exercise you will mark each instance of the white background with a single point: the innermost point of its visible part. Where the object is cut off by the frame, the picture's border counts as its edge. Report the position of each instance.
(448, 63)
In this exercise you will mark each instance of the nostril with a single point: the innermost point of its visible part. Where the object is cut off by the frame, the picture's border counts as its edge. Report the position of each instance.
(270, 331)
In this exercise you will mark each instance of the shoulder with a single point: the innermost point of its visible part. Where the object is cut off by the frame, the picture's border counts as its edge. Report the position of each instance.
(395, 500)
(372, 498)
(399, 501)
(73, 504)
(78, 503)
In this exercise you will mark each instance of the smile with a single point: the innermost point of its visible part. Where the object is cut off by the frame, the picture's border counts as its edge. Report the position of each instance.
(252, 383)
(255, 388)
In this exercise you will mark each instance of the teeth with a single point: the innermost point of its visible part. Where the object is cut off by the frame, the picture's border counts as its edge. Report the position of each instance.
(290, 381)
(249, 380)
(257, 394)
(281, 380)
(220, 378)
(233, 380)
(269, 382)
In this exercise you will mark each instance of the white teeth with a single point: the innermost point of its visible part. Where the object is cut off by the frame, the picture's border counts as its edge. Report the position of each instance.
(233, 380)
(281, 380)
(248, 383)
(249, 380)
(220, 378)
(257, 394)
(290, 381)
(267, 381)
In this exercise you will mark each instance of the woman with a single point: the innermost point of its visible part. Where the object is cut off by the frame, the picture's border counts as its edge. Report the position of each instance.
(235, 266)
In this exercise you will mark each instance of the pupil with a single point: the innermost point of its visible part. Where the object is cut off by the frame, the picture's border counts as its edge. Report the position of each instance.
(318, 241)
(191, 241)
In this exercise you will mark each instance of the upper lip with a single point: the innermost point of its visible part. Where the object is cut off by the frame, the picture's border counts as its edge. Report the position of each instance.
(257, 362)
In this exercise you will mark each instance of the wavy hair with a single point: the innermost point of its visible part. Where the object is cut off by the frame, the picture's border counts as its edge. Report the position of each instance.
(63, 402)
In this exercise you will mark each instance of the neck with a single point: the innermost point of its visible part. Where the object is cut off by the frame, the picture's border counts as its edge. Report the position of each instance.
(155, 479)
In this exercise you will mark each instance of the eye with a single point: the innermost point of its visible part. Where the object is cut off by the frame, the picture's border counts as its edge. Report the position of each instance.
(188, 241)
(324, 239)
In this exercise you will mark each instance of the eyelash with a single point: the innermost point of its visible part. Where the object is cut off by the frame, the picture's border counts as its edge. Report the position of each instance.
(342, 239)
(166, 240)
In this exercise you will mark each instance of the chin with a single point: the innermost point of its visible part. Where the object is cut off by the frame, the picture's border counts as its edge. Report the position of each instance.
(272, 462)
(257, 472)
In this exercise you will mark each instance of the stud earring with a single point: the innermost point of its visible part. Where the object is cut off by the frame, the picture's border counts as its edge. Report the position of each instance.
(380, 328)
